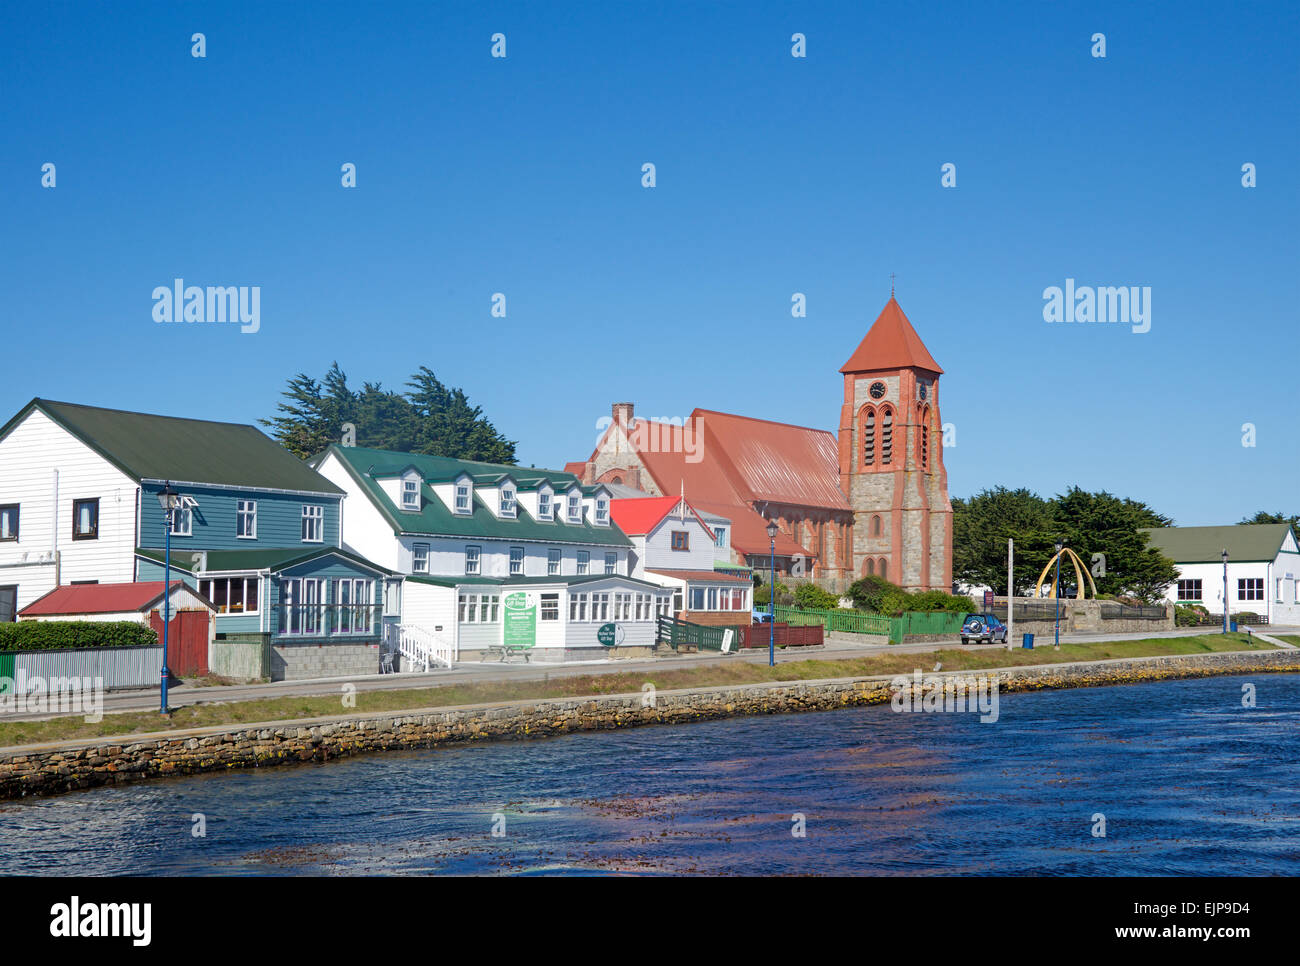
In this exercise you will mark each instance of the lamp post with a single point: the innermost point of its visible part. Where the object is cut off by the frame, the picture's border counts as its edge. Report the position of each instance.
(771, 599)
(167, 499)
(1060, 545)
(1225, 590)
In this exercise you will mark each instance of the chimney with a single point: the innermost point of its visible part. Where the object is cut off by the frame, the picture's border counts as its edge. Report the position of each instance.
(622, 413)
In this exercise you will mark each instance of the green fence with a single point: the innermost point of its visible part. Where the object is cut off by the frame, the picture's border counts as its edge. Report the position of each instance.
(846, 621)
(676, 632)
(925, 622)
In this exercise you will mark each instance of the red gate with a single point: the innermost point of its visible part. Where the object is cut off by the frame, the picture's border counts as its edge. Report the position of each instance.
(187, 641)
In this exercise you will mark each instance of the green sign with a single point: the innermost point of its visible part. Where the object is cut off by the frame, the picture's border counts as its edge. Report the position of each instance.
(610, 635)
(519, 626)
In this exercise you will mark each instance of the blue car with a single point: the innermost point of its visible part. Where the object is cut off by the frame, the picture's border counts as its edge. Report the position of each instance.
(983, 628)
(762, 617)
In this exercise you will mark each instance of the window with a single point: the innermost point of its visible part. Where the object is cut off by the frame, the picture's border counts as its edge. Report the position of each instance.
(232, 595)
(886, 435)
(478, 608)
(602, 511)
(677, 601)
(724, 599)
(713, 598)
(85, 519)
(419, 558)
(697, 598)
(1280, 583)
(9, 522)
(611, 563)
(543, 505)
(352, 606)
(550, 607)
(392, 598)
(663, 606)
(472, 557)
(552, 561)
(577, 607)
(516, 561)
(720, 536)
(507, 501)
(925, 443)
(303, 605)
(681, 540)
(246, 519)
(410, 494)
(313, 524)
(738, 600)
(182, 520)
(1250, 588)
(575, 508)
(875, 525)
(868, 434)
(1189, 590)
(462, 498)
(600, 607)
(622, 607)
(8, 604)
(584, 557)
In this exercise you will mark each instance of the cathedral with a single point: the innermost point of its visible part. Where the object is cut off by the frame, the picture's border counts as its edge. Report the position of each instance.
(870, 499)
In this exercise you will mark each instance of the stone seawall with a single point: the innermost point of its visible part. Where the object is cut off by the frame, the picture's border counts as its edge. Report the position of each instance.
(65, 766)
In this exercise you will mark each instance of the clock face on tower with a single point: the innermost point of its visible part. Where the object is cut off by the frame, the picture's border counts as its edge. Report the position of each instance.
(877, 390)
(924, 389)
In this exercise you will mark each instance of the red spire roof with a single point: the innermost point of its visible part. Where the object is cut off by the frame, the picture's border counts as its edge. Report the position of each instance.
(891, 343)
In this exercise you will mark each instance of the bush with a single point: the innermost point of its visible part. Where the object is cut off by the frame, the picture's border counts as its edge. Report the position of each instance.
(64, 635)
(812, 597)
(1189, 616)
(762, 596)
(877, 595)
(869, 592)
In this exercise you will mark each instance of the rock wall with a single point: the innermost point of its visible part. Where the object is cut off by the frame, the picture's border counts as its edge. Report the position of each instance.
(69, 765)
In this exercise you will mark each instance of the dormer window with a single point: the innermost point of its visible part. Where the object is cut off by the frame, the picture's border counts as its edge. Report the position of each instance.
(602, 511)
(543, 505)
(410, 494)
(575, 507)
(462, 498)
(507, 501)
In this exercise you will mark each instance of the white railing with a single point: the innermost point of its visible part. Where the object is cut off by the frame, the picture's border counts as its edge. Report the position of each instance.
(421, 648)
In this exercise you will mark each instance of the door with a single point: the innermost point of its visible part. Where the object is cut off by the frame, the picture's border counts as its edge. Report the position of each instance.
(8, 604)
(187, 641)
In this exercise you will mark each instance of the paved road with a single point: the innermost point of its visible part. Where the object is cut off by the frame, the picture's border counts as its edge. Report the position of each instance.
(839, 647)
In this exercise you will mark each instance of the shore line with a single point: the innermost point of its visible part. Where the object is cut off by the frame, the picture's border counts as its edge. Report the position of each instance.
(56, 767)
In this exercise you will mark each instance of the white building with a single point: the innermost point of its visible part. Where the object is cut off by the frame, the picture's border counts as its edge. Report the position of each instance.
(472, 537)
(1263, 568)
(675, 548)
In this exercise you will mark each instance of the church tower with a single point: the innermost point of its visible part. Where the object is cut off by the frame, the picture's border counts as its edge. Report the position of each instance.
(891, 458)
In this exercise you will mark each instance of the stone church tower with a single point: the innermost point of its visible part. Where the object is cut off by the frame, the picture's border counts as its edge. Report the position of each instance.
(891, 458)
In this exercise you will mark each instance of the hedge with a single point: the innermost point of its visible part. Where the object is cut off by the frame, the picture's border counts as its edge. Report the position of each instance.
(64, 635)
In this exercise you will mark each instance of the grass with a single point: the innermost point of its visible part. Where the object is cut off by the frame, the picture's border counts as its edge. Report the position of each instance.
(1289, 638)
(277, 709)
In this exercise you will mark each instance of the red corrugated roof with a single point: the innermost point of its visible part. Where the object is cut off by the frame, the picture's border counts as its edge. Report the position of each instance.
(575, 468)
(891, 343)
(749, 531)
(636, 516)
(96, 599)
(775, 462)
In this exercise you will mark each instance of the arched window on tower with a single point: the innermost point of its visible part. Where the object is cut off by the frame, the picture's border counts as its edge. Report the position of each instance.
(925, 438)
(867, 433)
(875, 525)
(871, 566)
(886, 435)
(884, 568)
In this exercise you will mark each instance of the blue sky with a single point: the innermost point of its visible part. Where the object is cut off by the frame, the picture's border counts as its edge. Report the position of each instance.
(775, 175)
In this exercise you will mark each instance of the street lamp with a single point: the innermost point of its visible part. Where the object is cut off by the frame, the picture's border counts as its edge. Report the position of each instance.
(1060, 545)
(1225, 590)
(771, 599)
(168, 499)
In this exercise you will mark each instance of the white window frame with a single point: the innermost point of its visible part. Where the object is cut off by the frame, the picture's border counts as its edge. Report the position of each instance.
(11, 512)
(554, 560)
(418, 551)
(313, 520)
(575, 507)
(292, 591)
(246, 519)
(182, 521)
(411, 497)
(519, 571)
(611, 562)
(353, 588)
(720, 537)
(509, 503)
(206, 589)
(584, 561)
(473, 560)
(554, 601)
(545, 506)
(602, 511)
(392, 597)
(468, 497)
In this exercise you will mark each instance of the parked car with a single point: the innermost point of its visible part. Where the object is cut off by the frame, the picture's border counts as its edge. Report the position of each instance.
(762, 617)
(982, 628)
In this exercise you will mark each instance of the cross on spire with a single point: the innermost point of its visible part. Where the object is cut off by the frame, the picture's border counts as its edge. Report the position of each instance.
(891, 285)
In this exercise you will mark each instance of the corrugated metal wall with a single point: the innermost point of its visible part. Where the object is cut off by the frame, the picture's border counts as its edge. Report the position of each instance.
(120, 667)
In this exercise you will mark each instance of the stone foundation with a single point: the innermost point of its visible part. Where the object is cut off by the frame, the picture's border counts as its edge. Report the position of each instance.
(65, 766)
(297, 662)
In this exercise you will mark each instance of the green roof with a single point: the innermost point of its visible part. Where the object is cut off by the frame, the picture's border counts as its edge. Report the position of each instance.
(1244, 542)
(435, 519)
(507, 582)
(147, 447)
(274, 559)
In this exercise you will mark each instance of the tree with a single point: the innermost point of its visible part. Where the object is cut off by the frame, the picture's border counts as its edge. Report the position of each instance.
(429, 419)
(1264, 517)
(981, 527)
(1106, 531)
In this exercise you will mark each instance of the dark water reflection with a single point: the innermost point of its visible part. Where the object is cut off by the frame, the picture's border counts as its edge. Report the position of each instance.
(1188, 780)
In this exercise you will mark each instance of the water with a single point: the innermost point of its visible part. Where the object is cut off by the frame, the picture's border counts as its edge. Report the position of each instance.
(1189, 782)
